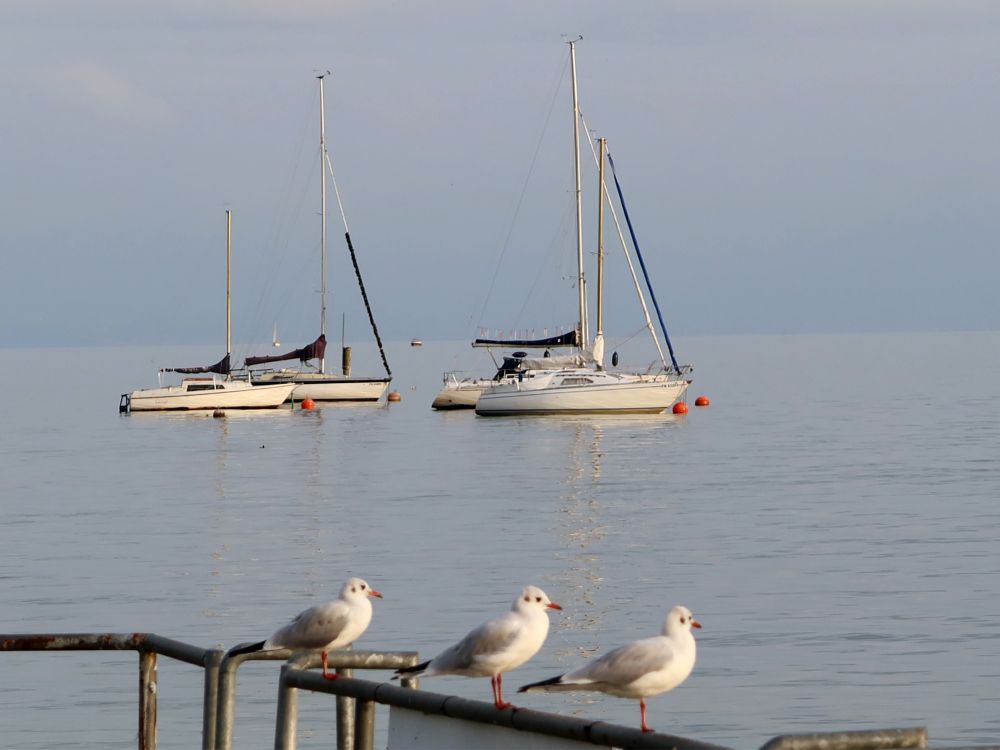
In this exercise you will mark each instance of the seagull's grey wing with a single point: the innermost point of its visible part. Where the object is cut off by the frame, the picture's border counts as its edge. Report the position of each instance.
(312, 628)
(489, 638)
(625, 664)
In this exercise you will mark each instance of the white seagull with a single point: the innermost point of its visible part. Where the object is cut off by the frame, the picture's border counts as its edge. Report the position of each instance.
(639, 669)
(496, 646)
(325, 627)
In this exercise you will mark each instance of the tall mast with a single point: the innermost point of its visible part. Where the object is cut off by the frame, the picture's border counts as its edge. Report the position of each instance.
(600, 241)
(229, 263)
(581, 283)
(322, 213)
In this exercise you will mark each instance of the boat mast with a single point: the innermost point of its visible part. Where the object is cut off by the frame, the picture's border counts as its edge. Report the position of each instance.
(581, 283)
(229, 263)
(322, 213)
(599, 336)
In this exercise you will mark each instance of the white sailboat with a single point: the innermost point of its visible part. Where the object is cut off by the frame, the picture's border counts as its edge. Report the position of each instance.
(578, 383)
(215, 390)
(319, 384)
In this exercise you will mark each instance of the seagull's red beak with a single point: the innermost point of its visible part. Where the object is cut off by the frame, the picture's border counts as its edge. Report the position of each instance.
(373, 592)
(695, 624)
(553, 605)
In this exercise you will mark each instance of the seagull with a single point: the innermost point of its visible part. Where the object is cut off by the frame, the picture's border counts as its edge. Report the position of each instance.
(639, 669)
(324, 627)
(496, 646)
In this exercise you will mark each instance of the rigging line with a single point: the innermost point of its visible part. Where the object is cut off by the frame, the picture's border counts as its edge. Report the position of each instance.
(524, 190)
(642, 264)
(278, 235)
(555, 248)
(368, 307)
(336, 190)
(354, 261)
(628, 258)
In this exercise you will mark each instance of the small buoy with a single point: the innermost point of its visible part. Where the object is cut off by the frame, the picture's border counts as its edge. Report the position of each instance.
(702, 401)
(218, 413)
(307, 403)
(394, 396)
(680, 408)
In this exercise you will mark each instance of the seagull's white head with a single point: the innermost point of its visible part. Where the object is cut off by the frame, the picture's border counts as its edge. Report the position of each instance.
(357, 589)
(679, 620)
(533, 598)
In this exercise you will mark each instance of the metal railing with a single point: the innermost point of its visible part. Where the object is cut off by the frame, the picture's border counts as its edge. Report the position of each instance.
(148, 646)
(356, 699)
(344, 662)
(876, 739)
(367, 694)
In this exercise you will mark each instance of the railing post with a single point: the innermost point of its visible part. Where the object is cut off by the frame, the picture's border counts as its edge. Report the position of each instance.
(147, 700)
(345, 716)
(227, 704)
(210, 704)
(287, 719)
(364, 724)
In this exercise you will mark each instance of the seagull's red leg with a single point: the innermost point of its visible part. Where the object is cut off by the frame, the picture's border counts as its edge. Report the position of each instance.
(642, 710)
(326, 674)
(498, 693)
(493, 687)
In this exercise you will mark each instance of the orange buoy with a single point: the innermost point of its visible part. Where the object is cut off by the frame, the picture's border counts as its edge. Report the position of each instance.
(680, 408)
(702, 401)
(308, 403)
(394, 396)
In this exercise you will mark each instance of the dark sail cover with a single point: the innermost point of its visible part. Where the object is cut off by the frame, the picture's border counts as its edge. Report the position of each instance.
(221, 368)
(315, 350)
(565, 339)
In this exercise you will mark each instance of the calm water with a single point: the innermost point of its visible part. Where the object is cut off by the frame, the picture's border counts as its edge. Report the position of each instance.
(831, 519)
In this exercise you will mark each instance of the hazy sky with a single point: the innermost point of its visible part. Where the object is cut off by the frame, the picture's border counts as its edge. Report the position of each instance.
(791, 166)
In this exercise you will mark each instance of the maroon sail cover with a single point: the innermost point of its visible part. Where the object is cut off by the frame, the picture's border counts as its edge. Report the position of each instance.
(315, 350)
(221, 368)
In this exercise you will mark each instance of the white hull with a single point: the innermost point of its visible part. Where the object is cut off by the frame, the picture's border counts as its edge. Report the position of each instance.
(464, 395)
(326, 387)
(202, 393)
(563, 392)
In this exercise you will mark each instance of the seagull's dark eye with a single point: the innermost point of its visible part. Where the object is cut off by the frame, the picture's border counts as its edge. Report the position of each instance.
(362, 587)
(538, 598)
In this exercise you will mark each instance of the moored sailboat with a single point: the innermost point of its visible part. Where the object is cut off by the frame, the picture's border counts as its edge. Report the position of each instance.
(579, 383)
(319, 384)
(215, 389)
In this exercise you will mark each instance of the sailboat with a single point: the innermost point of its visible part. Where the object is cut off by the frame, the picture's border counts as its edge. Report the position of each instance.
(319, 384)
(578, 383)
(217, 390)
(464, 393)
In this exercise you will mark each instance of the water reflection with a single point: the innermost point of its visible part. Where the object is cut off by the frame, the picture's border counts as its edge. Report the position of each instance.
(580, 530)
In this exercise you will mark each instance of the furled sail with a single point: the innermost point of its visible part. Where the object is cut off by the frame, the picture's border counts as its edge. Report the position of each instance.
(566, 339)
(315, 350)
(221, 368)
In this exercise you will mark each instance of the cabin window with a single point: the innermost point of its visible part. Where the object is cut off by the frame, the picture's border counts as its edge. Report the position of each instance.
(201, 387)
(575, 381)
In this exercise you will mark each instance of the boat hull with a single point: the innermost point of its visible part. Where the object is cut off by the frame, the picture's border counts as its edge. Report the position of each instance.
(460, 397)
(233, 395)
(327, 387)
(629, 395)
